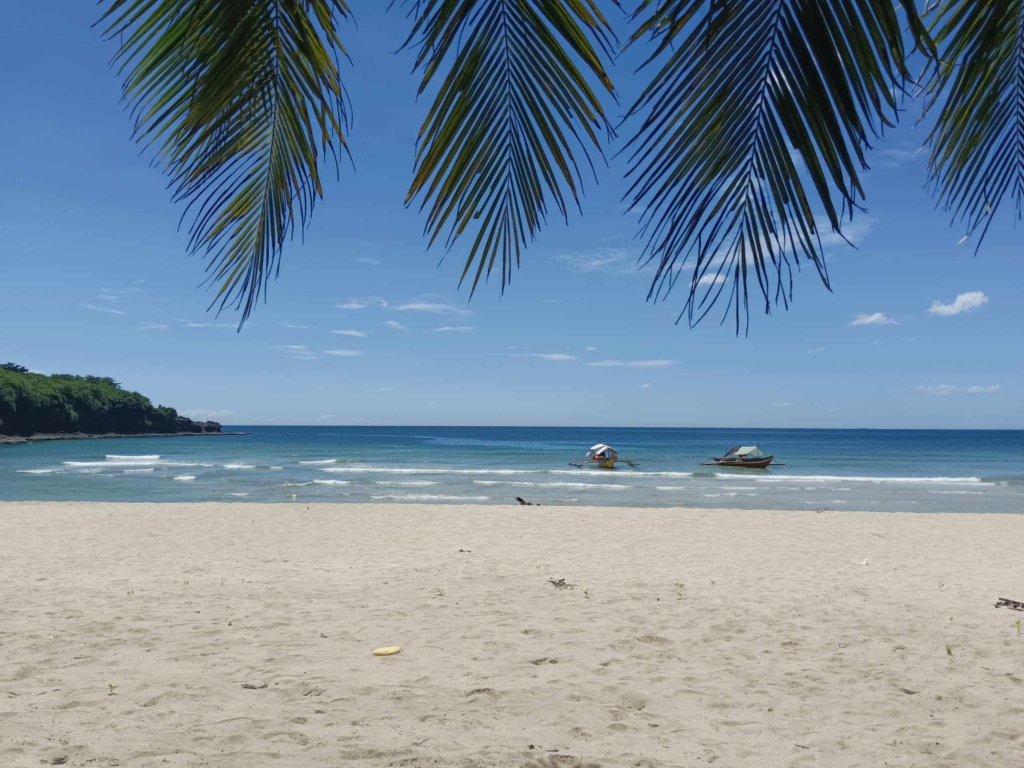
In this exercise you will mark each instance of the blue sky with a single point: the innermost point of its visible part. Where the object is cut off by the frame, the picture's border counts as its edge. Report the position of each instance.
(95, 279)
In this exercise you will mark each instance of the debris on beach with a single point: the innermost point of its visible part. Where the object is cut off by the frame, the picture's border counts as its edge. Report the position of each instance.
(1013, 605)
(561, 584)
(387, 650)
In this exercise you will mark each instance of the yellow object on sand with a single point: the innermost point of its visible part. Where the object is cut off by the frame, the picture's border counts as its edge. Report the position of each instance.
(387, 650)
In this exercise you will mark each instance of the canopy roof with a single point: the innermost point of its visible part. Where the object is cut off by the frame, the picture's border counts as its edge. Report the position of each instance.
(747, 451)
(601, 448)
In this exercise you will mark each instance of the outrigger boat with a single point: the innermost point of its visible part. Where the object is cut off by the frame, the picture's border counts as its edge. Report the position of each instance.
(744, 456)
(603, 457)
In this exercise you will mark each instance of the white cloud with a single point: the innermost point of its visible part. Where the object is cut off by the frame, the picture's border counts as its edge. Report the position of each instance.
(395, 325)
(815, 351)
(455, 328)
(965, 302)
(632, 363)
(551, 301)
(108, 310)
(437, 309)
(148, 326)
(712, 279)
(607, 261)
(878, 318)
(783, 405)
(205, 414)
(349, 333)
(952, 389)
(554, 357)
(383, 389)
(108, 297)
(368, 260)
(190, 324)
(296, 351)
(853, 231)
(344, 352)
(326, 416)
(292, 325)
(989, 390)
(369, 301)
(591, 349)
(645, 385)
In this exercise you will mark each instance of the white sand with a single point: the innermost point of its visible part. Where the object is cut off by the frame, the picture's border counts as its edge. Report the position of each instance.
(691, 638)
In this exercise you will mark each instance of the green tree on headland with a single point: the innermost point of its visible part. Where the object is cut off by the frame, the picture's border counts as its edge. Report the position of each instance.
(748, 141)
(32, 403)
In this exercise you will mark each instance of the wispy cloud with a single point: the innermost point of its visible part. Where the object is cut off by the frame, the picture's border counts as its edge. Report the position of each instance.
(190, 324)
(454, 328)
(892, 158)
(296, 351)
(369, 301)
(877, 318)
(953, 389)
(853, 232)
(965, 302)
(645, 385)
(591, 349)
(368, 260)
(552, 356)
(148, 326)
(107, 310)
(632, 363)
(783, 405)
(712, 279)
(326, 416)
(205, 414)
(395, 325)
(344, 352)
(815, 351)
(607, 261)
(433, 308)
(293, 325)
(383, 389)
(349, 333)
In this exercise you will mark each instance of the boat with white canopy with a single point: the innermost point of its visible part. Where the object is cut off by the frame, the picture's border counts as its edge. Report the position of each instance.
(602, 456)
(744, 456)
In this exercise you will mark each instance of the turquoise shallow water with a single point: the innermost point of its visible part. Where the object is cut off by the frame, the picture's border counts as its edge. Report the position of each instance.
(945, 471)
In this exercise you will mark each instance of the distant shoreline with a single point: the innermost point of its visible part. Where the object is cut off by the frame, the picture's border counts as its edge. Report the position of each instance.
(18, 440)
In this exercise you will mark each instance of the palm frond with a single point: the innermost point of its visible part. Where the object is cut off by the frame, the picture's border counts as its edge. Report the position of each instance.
(977, 143)
(242, 100)
(515, 105)
(759, 113)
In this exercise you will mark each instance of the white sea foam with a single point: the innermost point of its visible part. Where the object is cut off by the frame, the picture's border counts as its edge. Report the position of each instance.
(332, 482)
(426, 497)
(185, 478)
(295, 485)
(862, 479)
(320, 461)
(36, 471)
(135, 471)
(527, 484)
(672, 488)
(238, 494)
(277, 467)
(239, 466)
(405, 482)
(145, 458)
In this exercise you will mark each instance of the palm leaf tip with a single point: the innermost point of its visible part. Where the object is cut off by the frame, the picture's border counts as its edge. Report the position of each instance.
(977, 142)
(514, 112)
(242, 102)
(757, 115)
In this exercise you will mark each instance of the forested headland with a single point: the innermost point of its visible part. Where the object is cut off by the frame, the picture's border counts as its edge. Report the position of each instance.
(64, 404)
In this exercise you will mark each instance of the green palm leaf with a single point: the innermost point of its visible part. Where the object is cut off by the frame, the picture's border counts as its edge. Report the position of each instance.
(242, 100)
(977, 144)
(758, 114)
(515, 103)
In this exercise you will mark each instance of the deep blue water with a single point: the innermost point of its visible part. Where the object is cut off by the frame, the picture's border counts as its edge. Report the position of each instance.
(895, 470)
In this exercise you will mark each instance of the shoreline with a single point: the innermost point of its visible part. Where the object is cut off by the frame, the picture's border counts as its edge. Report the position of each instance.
(220, 633)
(42, 438)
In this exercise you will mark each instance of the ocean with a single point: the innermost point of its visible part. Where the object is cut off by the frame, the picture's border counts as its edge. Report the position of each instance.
(890, 470)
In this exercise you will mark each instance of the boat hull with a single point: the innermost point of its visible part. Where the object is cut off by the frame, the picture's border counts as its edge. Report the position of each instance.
(752, 464)
(603, 463)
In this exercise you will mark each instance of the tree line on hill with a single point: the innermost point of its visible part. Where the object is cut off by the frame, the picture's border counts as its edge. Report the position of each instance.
(33, 403)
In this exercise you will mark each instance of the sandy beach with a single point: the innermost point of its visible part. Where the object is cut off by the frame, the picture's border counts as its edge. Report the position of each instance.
(241, 635)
